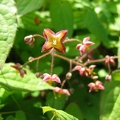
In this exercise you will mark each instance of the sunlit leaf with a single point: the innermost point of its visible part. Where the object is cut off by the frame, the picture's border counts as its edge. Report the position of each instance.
(95, 26)
(74, 110)
(59, 114)
(26, 6)
(8, 28)
(110, 99)
(10, 79)
(62, 16)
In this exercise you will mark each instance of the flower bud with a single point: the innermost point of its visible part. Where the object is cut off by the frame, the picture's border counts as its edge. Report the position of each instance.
(30, 59)
(68, 75)
(109, 60)
(108, 78)
(38, 74)
(29, 39)
(94, 77)
(22, 72)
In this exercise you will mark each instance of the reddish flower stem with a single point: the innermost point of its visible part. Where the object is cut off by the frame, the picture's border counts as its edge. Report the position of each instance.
(99, 60)
(37, 35)
(38, 58)
(71, 40)
(52, 61)
(67, 59)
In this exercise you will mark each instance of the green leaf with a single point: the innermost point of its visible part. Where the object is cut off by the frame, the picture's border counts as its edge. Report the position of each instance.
(47, 108)
(59, 114)
(20, 116)
(110, 99)
(1, 117)
(55, 101)
(10, 117)
(62, 16)
(10, 79)
(95, 26)
(74, 110)
(116, 75)
(118, 53)
(65, 116)
(34, 21)
(8, 28)
(26, 6)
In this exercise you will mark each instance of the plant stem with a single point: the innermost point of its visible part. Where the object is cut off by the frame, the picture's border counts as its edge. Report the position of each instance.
(37, 35)
(71, 40)
(38, 58)
(52, 61)
(1, 113)
(37, 64)
(67, 59)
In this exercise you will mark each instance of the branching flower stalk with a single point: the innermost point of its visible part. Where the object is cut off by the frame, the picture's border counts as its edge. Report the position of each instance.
(52, 61)
(55, 41)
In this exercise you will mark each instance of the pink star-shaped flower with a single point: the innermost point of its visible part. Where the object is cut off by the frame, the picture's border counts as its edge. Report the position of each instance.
(61, 91)
(84, 45)
(47, 78)
(54, 40)
(96, 86)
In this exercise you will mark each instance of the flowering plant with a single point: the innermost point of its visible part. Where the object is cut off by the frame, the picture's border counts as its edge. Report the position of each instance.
(60, 57)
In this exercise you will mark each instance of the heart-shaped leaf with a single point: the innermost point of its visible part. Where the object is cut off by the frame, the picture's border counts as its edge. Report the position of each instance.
(10, 79)
(110, 99)
(59, 114)
(8, 28)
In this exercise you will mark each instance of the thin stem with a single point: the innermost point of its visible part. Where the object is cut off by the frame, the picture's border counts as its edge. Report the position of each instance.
(67, 59)
(99, 60)
(70, 66)
(71, 40)
(38, 58)
(1, 113)
(109, 69)
(16, 102)
(52, 61)
(94, 61)
(37, 64)
(70, 70)
(37, 35)
(63, 83)
(53, 116)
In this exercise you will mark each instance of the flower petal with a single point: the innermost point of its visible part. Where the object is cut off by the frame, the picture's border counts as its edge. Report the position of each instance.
(61, 91)
(48, 34)
(61, 34)
(56, 78)
(46, 47)
(86, 39)
(54, 40)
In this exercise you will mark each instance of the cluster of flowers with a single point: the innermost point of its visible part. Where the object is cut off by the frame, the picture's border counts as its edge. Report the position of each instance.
(55, 41)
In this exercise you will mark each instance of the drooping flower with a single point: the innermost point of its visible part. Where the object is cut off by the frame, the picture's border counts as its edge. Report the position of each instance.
(85, 71)
(48, 78)
(68, 75)
(19, 69)
(108, 77)
(109, 60)
(54, 40)
(29, 39)
(96, 86)
(82, 47)
(61, 91)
